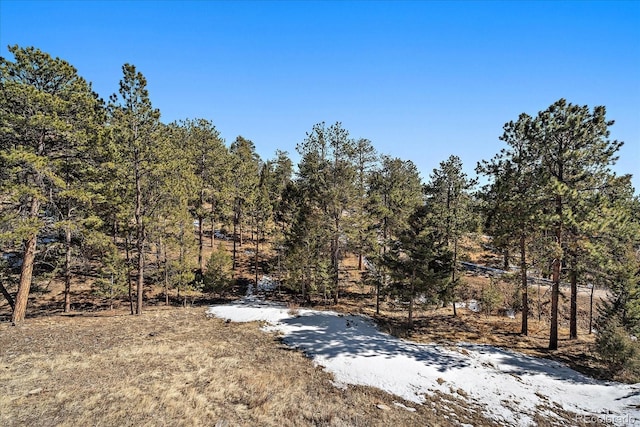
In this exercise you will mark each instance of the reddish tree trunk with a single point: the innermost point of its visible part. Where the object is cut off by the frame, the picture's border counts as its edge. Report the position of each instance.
(139, 237)
(26, 271)
(67, 270)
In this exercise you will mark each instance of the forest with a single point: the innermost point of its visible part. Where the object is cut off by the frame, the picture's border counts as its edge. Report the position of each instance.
(103, 191)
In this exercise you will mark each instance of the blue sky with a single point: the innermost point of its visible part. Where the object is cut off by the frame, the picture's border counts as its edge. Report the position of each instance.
(421, 80)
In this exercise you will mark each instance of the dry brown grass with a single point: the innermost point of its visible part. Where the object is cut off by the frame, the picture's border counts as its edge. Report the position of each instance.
(178, 367)
(175, 366)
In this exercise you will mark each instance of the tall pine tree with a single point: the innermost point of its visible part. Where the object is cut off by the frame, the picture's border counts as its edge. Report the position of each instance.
(134, 127)
(575, 154)
(48, 115)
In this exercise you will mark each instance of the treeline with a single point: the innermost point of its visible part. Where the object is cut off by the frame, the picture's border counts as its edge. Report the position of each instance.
(554, 202)
(104, 188)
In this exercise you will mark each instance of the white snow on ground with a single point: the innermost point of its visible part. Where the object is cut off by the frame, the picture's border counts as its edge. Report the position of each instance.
(510, 386)
(265, 284)
(471, 305)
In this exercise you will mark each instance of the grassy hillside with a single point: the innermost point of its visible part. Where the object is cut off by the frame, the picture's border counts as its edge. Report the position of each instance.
(175, 366)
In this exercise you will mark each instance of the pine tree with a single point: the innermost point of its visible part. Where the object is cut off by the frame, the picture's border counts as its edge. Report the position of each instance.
(361, 220)
(395, 192)
(448, 194)
(134, 127)
(218, 274)
(206, 151)
(575, 153)
(47, 113)
(326, 178)
(616, 254)
(262, 213)
(513, 199)
(245, 178)
(419, 260)
(307, 250)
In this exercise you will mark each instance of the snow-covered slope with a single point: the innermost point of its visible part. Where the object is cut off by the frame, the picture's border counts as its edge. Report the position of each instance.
(510, 386)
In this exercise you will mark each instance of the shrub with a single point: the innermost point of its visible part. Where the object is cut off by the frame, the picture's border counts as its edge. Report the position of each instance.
(618, 348)
(490, 297)
(217, 278)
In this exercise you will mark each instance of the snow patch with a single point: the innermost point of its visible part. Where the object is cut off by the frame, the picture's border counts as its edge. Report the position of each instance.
(407, 408)
(510, 386)
(471, 305)
(267, 284)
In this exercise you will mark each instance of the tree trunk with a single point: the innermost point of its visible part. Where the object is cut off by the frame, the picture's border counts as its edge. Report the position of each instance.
(555, 293)
(129, 273)
(573, 316)
(525, 286)
(555, 289)
(181, 261)
(235, 222)
(139, 238)
(240, 225)
(7, 295)
(411, 298)
(213, 223)
(26, 271)
(256, 254)
(67, 269)
(140, 276)
(166, 278)
(593, 288)
(453, 275)
(200, 242)
(159, 252)
(382, 280)
(336, 267)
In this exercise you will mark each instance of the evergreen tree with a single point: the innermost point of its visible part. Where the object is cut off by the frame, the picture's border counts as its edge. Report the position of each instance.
(134, 127)
(575, 154)
(326, 177)
(306, 250)
(218, 275)
(395, 192)
(280, 190)
(206, 151)
(262, 213)
(618, 256)
(112, 281)
(278, 177)
(419, 260)
(48, 116)
(448, 195)
(245, 178)
(362, 222)
(74, 204)
(514, 200)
